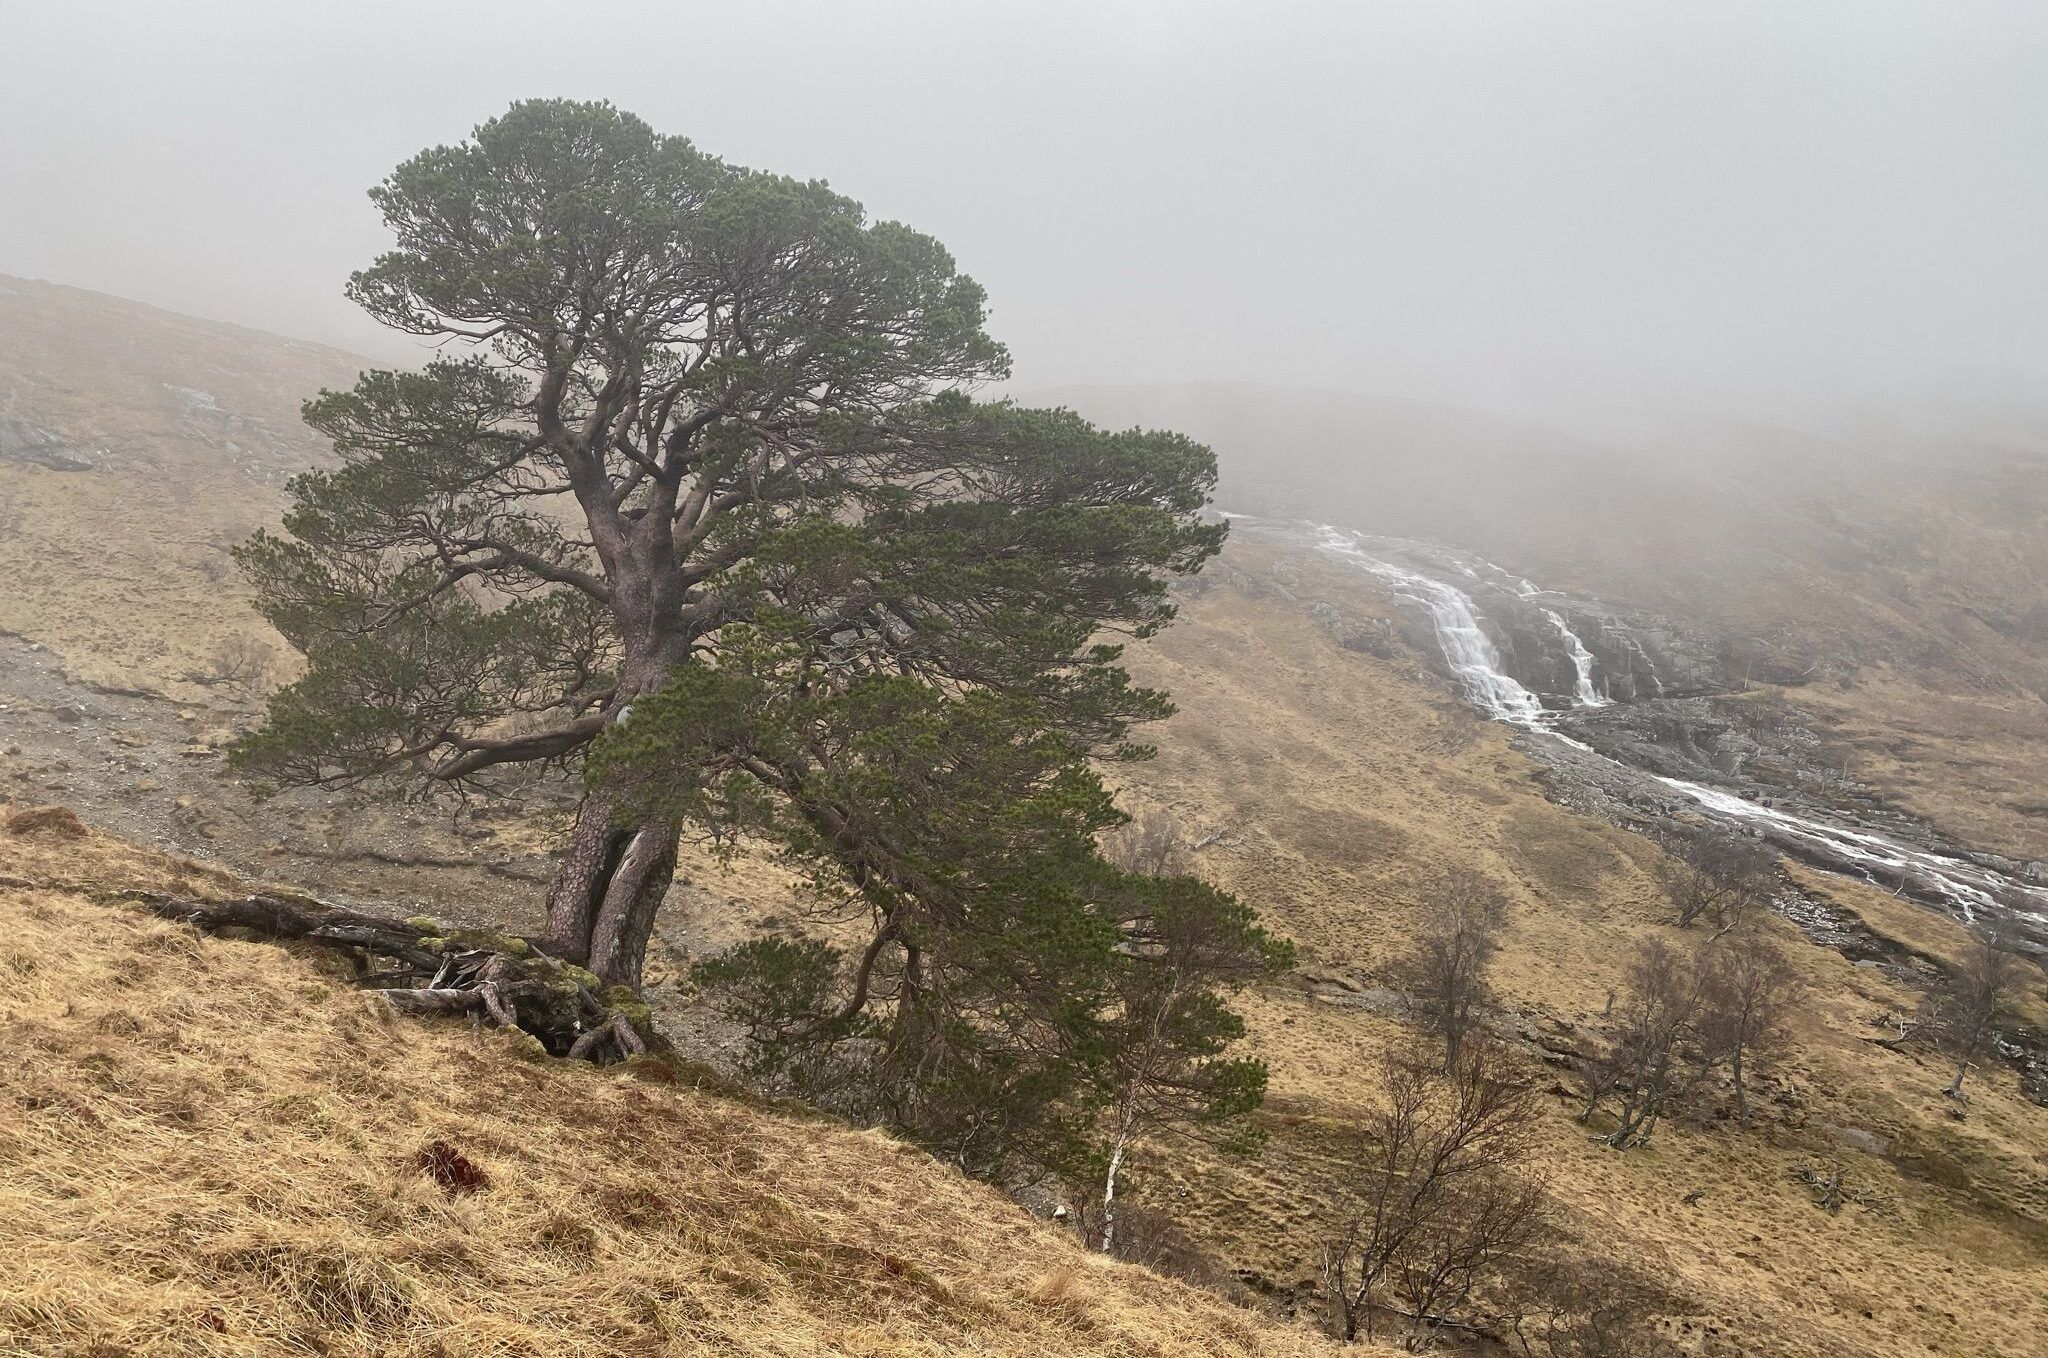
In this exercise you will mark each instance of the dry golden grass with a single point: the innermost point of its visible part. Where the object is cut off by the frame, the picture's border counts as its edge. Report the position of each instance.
(1967, 762)
(212, 1147)
(225, 1160)
(124, 570)
(1345, 782)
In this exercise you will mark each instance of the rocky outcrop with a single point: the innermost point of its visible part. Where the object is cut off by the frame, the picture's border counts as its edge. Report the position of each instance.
(23, 441)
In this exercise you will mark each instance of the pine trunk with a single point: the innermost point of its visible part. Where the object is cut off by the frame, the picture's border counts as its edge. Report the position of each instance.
(617, 868)
(580, 882)
(602, 904)
(625, 917)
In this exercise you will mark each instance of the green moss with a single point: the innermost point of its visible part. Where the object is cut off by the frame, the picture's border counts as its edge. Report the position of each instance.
(623, 999)
(486, 940)
(522, 1045)
(588, 980)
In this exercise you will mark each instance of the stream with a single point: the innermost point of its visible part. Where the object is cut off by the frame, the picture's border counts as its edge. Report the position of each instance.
(1971, 891)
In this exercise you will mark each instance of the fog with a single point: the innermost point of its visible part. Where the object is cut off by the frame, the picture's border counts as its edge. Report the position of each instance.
(1509, 204)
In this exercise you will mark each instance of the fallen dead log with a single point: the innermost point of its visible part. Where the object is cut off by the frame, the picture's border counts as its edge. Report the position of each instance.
(431, 970)
(297, 917)
(434, 1000)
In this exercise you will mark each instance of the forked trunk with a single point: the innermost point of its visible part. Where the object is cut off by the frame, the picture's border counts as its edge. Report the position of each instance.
(625, 918)
(618, 865)
(579, 885)
(602, 904)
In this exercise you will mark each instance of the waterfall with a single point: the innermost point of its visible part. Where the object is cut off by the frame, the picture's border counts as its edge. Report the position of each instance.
(1969, 889)
(1466, 648)
(1583, 692)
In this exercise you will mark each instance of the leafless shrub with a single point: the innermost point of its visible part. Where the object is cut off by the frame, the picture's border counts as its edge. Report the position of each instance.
(1439, 1202)
(1656, 1055)
(1145, 1235)
(1963, 1016)
(1720, 877)
(1465, 911)
(1829, 1180)
(242, 661)
(1751, 991)
(1584, 1306)
(1154, 844)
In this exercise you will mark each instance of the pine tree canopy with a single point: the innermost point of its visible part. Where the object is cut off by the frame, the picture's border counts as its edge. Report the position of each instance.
(697, 501)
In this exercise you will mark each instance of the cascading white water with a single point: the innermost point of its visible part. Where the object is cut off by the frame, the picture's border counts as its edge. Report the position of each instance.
(1967, 886)
(1649, 665)
(1583, 692)
(1466, 648)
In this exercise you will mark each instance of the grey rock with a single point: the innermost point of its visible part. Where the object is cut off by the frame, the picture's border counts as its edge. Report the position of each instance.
(21, 441)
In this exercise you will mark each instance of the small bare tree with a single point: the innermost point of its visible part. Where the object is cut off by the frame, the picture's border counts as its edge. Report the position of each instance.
(1578, 1304)
(1963, 1018)
(242, 661)
(1657, 1056)
(1720, 877)
(1465, 911)
(1751, 990)
(1155, 844)
(1439, 1204)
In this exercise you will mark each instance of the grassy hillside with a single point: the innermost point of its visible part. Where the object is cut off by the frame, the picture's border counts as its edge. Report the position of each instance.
(1901, 557)
(136, 447)
(211, 1147)
(1343, 782)
(1339, 781)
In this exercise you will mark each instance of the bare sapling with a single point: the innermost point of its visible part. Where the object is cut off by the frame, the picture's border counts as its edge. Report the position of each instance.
(1464, 913)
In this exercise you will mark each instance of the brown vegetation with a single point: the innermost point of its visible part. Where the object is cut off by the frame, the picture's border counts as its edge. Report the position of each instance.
(1719, 877)
(1964, 1016)
(184, 1174)
(1463, 914)
(1441, 1200)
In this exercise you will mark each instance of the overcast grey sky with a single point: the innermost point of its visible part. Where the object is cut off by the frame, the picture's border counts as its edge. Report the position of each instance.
(1455, 199)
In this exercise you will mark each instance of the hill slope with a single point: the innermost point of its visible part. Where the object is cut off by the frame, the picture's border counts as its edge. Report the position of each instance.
(1341, 769)
(1898, 558)
(213, 1147)
(1344, 780)
(106, 405)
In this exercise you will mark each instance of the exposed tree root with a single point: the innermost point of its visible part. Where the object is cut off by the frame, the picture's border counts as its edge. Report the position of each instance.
(424, 969)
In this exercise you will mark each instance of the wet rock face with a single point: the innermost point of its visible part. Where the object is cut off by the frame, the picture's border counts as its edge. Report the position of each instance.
(1723, 739)
(1631, 659)
(23, 441)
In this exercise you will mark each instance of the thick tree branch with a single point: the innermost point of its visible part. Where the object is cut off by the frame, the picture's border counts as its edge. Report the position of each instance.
(553, 744)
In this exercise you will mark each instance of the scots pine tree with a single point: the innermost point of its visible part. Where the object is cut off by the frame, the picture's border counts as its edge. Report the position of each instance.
(697, 472)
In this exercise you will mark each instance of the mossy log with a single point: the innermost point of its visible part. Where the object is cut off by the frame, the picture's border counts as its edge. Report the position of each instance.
(423, 968)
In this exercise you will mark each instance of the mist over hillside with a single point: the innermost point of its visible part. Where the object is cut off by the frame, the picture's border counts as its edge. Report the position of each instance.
(1324, 758)
(1167, 681)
